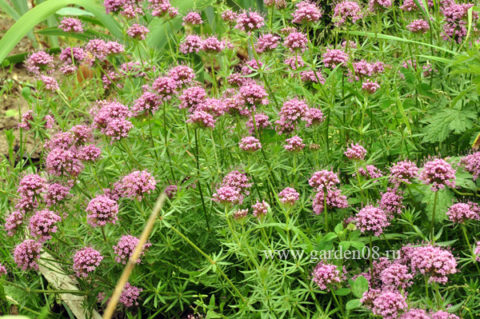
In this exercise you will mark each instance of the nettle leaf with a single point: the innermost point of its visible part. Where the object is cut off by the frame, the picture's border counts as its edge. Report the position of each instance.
(447, 121)
(464, 179)
(359, 286)
(444, 201)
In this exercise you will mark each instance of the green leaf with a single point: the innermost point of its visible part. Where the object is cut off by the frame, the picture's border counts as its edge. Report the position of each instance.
(42, 11)
(353, 304)
(360, 285)
(72, 11)
(342, 291)
(444, 201)
(7, 8)
(449, 120)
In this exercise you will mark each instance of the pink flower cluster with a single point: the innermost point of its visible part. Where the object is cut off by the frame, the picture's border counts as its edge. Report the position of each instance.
(356, 152)
(43, 224)
(461, 212)
(294, 144)
(130, 295)
(306, 12)
(435, 262)
(372, 220)
(291, 112)
(125, 247)
(136, 184)
(249, 21)
(250, 144)
(296, 41)
(347, 11)
(333, 57)
(288, 196)
(260, 209)
(71, 25)
(266, 42)
(472, 164)
(334, 200)
(102, 210)
(403, 172)
(137, 31)
(438, 173)
(326, 275)
(27, 253)
(111, 119)
(85, 261)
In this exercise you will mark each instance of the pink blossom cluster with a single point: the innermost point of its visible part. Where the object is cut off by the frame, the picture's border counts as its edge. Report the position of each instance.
(227, 195)
(71, 25)
(438, 173)
(250, 144)
(102, 210)
(137, 31)
(136, 184)
(356, 152)
(347, 11)
(462, 212)
(27, 253)
(334, 199)
(111, 119)
(125, 247)
(435, 262)
(266, 42)
(130, 295)
(306, 12)
(261, 122)
(288, 196)
(326, 275)
(403, 172)
(260, 209)
(418, 26)
(85, 261)
(296, 41)
(294, 144)
(291, 112)
(472, 164)
(370, 172)
(39, 61)
(237, 180)
(249, 21)
(333, 57)
(372, 220)
(391, 202)
(43, 223)
(192, 18)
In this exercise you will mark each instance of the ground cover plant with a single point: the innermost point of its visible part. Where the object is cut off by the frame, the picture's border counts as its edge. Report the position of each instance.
(318, 158)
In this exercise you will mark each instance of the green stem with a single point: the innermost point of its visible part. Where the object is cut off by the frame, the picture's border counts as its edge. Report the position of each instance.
(199, 185)
(432, 226)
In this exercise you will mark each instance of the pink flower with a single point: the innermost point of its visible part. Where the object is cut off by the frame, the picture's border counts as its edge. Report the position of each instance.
(63, 162)
(403, 172)
(147, 103)
(326, 275)
(251, 66)
(212, 45)
(43, 224)
(192, 18)
(443, 315)
(261, 121)
(418, 26)
(50, 83)
(415, 314)
(294, 62)
(382, 4)
(294, 144)
(312, 76)
(472, 164)
(227, 195)
(102, 210)
(165, 87)
(356, 152)
(111, 119)
(26, 254)
(434, 262)
(291, 111)
(306, 12)
(334, 200)
(254, 94)
(31, 185)
(438, 173)
(3, 270)
(13, 222)
(288, 196)
(409, 5)
(260, 209)
(56, 193)
(267, 42)
(229, 16)
(81, 134)
(249, 21)
(324, 179)
(39, 62)
(125, 247)
(136, 184)
(192, 97)
(202, 119)
(171, 191)
(296, 41)
(85, 261)
(333, 57)
(347, 11)
(250, 144)
(71, 25)
(461, 212)
(182, 74)
(237, 180)
(89, 153)
(129, 295)
(391, 202)
(370, 86)
(72, 55)
(396, 276)
(137, 31)
(372, 220)
(370, 172)
(240, 214)
(191, 44)
(388, 304)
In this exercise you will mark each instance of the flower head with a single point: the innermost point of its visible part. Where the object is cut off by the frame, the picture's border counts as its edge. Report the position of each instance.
(388, 304)
(403, 172)
(296, 41)
(136, 184)
(102, 210)
(335, 199)
(372, 219)
(306, 12)
(13, 222)
(294, 144)
(461, 212)
(71, 25)
(438, 173)
(326, 275)
(228, 195)
(260, 209)
(137, 31)
(85, 261)
(27, 253)
(192, 18)
(249, 21)
(250, 144)
(333, 57)
(39, 61)
(356, 152)
(125, 247)
(288, 196)
(43, 224)
(130, 295)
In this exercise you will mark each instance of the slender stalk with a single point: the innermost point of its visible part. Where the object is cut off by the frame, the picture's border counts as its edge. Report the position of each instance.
(340, 306)
(432, 226)
(151, 136)
(199, 185)
(325, 209)
(166, 141)
(464, 231)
